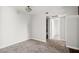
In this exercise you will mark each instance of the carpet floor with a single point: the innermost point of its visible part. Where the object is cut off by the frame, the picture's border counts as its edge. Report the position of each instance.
(33, 46)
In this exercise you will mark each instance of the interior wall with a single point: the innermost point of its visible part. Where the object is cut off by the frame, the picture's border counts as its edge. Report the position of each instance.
(0, 26)
(39, 28)
(71, 31)
(78, 32)
(39, 18)
(14, 26)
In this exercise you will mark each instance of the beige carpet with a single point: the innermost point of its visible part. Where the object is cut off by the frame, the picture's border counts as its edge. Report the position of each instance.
(33, 46)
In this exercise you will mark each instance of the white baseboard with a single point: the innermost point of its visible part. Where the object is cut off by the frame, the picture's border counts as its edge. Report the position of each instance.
(43, 40)
(76, 48)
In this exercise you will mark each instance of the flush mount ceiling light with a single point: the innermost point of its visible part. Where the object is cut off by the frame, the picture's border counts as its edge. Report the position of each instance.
(28, 9)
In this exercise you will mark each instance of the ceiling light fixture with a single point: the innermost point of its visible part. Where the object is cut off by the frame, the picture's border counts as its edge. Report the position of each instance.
(28, 9)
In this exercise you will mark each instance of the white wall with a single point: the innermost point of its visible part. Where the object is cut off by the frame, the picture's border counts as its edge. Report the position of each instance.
(39, 27)
(62, 28)
(78, 31)
(0, 26)
(13, 26)
(71, 31)
(39, 18)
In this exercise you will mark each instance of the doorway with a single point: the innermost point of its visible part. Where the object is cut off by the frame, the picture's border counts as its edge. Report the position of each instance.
(53, 27)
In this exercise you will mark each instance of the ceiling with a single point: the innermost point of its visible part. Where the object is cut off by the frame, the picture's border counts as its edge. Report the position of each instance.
(51, 9)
